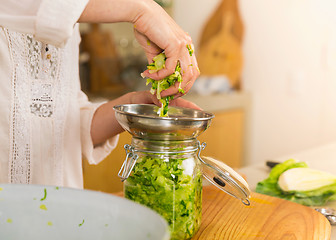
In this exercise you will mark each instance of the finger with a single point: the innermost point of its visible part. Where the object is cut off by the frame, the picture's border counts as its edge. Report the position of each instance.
(172, 91)
(144, 97)
(174, 54)
(194, 74)
(180, 102)
(189, 69)
(190, 72)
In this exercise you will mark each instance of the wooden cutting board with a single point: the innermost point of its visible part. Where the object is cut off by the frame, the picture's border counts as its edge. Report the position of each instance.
(267, 218)
(220, 50)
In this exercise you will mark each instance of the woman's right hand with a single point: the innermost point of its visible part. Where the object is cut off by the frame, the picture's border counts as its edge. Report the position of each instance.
(156, 31)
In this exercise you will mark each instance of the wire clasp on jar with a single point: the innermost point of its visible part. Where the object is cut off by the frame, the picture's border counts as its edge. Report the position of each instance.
(127, 166)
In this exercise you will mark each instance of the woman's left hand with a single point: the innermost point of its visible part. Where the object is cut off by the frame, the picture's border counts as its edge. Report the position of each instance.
(104, 124)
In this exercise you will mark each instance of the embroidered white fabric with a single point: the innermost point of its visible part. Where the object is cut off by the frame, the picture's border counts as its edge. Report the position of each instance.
(45, 124)
(36, 67)
(45, 117)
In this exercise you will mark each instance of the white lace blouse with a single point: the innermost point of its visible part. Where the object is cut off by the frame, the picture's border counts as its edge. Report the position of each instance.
(45, 117)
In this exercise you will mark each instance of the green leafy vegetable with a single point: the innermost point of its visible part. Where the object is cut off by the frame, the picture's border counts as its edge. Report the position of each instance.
(45, 195)
(191, 51)
(314, 197)
(159, 85)
(163, 185)
(81, 224)
(43, 207)
(305, 179)
(158, 63)
(164, 109)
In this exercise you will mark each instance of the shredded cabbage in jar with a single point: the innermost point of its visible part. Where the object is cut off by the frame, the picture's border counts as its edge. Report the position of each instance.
(165, 186)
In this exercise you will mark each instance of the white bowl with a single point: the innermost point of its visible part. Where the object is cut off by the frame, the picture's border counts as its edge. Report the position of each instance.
(48, 212)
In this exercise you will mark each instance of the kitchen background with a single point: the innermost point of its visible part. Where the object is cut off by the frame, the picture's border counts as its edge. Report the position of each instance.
(268, 73)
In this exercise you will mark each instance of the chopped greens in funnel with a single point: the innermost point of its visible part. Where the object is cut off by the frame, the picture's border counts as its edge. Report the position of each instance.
(159, 85)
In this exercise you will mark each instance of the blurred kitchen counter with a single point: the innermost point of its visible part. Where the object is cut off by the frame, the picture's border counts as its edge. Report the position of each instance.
(220, 102)
(321, 158)
(227, 136)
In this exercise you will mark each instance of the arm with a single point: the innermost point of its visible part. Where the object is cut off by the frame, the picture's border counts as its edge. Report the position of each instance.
(52, 22)
(104, 124)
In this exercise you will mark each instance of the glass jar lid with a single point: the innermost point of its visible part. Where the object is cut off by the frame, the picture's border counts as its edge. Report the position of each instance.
(225, 178)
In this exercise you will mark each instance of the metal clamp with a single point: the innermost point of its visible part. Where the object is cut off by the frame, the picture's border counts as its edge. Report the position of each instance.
(128, 165)
(201, 146)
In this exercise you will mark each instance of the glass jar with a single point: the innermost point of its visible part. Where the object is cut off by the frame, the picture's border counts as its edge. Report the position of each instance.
(163, 168)
(166, 176)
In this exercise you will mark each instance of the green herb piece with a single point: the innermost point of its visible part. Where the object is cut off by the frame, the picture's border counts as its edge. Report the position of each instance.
(57, 188)
(45, 195)
(81, 224)
(9, 220)
(148, 43)
(1, 188)
(49, 223)
(43, 207)
(191, 51)
(315, 197)
(164, 109)
(158, 63)
(159, 85)
(163, 185)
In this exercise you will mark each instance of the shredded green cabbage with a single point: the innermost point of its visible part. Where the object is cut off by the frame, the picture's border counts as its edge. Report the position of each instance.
(190, 50)
(163, 185)
(45, 195)
(159, 85)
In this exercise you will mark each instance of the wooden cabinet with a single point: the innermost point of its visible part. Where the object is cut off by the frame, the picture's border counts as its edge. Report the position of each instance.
(224, 140)
(224, 137)
(104, 176)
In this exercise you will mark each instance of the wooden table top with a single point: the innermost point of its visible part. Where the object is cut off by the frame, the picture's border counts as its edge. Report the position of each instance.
(267, 218)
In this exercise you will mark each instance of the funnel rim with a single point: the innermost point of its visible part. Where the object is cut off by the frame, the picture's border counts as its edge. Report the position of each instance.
(182, 118)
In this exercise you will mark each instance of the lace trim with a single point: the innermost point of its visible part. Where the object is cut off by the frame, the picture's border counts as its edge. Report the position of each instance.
(36, 66)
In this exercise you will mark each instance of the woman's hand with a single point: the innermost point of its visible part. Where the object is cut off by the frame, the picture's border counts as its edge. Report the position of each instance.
(147, 97)
(104, 124)
(156, 31)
